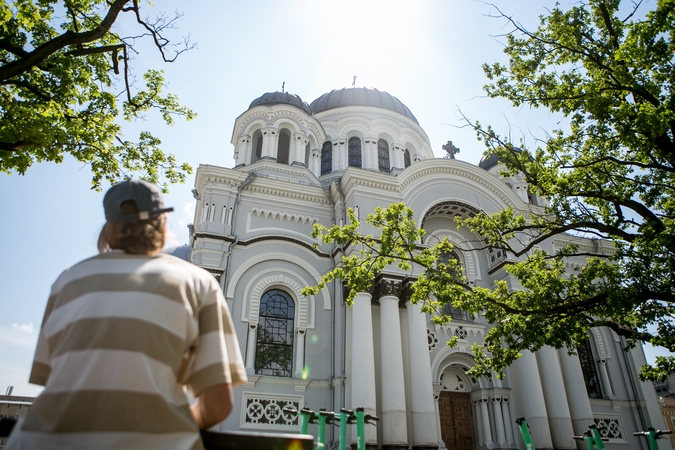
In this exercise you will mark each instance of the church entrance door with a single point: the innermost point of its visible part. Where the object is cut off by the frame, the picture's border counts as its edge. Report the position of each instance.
(456, 420)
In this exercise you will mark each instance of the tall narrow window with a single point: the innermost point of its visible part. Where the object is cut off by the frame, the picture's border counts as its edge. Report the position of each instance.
(454, 313)
(589, 370)
(274, 344)
(354, 152)
(383, 156)
(406, 158)
(284, 148)
(256, 148)
(327, 158)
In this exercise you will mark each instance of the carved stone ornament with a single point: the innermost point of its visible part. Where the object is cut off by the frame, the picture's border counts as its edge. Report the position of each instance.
(387, 287)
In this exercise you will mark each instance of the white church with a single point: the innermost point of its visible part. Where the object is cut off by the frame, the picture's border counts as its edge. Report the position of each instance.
(297, 164)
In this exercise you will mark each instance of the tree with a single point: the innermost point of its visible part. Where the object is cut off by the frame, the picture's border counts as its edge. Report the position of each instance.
(64, 72)
(607, 172)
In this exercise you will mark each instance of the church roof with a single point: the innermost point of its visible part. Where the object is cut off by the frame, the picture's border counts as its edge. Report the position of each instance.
(281, 98)
(361, 97)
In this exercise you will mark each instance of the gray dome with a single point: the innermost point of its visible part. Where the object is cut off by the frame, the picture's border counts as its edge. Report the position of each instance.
(362, 97)
(182, 251)
(489, 162)
(281, 98)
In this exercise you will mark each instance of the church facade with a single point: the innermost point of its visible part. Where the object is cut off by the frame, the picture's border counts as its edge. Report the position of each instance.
(297, 164)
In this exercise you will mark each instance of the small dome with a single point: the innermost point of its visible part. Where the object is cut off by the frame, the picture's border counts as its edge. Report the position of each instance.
(492, 160)
(281, 98)
(182, 251)
(362, 97)
(489, 162)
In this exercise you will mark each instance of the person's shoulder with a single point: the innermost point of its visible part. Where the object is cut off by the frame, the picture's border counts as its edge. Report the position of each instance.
(187, 268)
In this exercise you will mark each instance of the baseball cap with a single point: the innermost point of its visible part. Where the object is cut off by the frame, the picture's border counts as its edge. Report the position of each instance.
(147, 196)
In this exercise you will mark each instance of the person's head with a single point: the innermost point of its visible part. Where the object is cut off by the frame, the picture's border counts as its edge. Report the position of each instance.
(135, 218)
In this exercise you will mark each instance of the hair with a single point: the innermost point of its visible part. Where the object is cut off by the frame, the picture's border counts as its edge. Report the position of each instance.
(140, 237)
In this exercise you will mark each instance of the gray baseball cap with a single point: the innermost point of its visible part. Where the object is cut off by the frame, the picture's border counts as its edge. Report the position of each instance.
(147, 196)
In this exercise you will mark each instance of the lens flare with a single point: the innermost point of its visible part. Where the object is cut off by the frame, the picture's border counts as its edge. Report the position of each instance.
(315, 339)
(305, 373)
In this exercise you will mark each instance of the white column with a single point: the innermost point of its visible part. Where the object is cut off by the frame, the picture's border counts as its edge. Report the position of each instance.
(242, 153)
(559, 420)
(421, 395)
(363, 362)
(478, 421)
(297, 148)
(437, 388)
(397, 160)
(299, 353)
(269, 147)
(527, 385)
(485, 423)
(250, 349)
(508, 423)
(315, 162)
(499, 420)
(373, 159)
(577, 396)
(339, 156)
(604, 377)
(394, 427)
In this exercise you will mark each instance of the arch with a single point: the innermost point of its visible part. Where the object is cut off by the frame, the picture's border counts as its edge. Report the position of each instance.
(383, 164)
(256, 146)
(327, 158)
(282, 282)
(354, 151)
(246, 265)
(454, 357)
(468, 258)
(284, 146)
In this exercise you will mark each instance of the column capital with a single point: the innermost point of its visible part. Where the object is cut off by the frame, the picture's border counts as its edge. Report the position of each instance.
(386, 286)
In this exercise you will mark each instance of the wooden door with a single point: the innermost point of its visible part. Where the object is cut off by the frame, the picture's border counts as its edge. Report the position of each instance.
(456, 420)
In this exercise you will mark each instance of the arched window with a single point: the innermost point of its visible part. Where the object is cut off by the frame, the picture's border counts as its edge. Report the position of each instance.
(274, 344)
(455, 313)
(406, 158)
(256, 148)
(589, 370)
(354, 152)
(383, 156)
(327, 158)
(284, 148)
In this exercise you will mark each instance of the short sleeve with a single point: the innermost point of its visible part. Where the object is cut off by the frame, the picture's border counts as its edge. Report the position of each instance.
(217, 358)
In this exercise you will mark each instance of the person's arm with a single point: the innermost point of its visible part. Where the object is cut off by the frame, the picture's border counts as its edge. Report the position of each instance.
(213, 405)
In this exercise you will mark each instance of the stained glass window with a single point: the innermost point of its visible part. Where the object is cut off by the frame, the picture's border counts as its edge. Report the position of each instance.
(274, 345)
(327, 158)
(354, 152)
(383, 156)
(589, 370)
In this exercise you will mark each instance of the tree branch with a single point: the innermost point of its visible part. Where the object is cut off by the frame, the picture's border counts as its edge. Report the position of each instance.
(44, 51)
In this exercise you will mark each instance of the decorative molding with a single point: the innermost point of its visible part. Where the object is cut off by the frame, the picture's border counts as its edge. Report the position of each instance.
(610, 428)
(284, 216)
(264, 411)
(301, 302)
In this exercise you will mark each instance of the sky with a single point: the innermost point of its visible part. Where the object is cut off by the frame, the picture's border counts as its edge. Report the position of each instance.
(427, 53)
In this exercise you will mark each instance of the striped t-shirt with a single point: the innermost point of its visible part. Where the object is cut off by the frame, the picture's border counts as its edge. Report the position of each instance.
(121, 335)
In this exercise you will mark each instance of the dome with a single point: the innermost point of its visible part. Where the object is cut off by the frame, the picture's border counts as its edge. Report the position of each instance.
(489, 162)
(281, 98)
(361, 97)
(182, 251)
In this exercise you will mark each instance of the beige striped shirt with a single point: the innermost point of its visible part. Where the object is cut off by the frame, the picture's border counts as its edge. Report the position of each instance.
(121, 335)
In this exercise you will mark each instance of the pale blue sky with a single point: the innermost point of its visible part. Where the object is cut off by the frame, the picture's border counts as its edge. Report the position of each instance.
(428, 53)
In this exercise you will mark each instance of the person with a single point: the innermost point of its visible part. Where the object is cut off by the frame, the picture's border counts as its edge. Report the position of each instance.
(122, 335)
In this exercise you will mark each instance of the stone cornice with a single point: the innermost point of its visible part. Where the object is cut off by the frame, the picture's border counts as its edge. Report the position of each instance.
(296, 382)
(245, 243)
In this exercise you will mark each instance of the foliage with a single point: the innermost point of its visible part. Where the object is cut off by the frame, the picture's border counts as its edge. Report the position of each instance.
(63, 71)
(607, 173)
